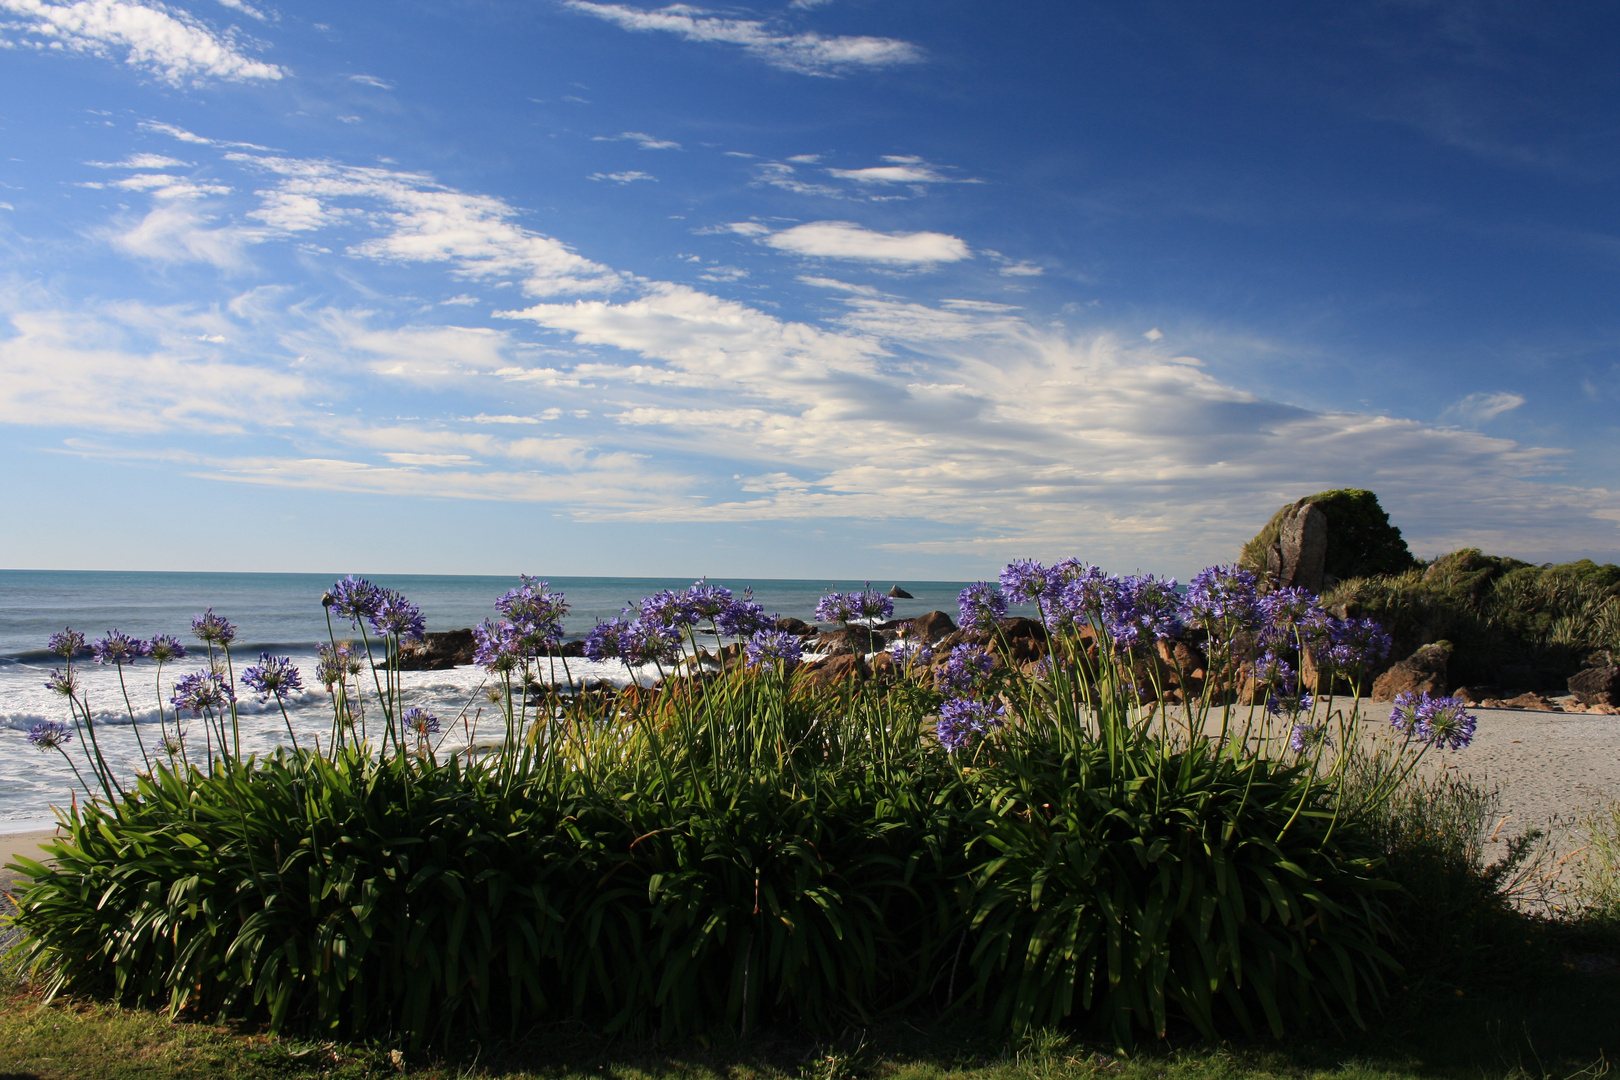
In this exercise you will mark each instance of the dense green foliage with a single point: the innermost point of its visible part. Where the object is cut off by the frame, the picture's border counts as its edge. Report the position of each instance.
(732, 854)
(1541, 622)
(1360, 540)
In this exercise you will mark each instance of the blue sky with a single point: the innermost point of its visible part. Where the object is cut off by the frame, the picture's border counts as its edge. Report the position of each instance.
(824, 288)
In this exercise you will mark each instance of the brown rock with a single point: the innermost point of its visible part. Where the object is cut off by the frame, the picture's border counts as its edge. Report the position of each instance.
(1424, 672)
(1533, 702)
(933, 626)
(897, 593)
(441, 649)
(846, 640)
(789, 625)
(1596, 686)
(834, 669)
(1298, 557)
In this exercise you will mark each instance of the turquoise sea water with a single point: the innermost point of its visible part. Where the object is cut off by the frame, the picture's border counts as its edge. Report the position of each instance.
(281, 614)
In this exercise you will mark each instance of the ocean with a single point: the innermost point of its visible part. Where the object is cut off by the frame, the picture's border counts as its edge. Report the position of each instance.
(280, 614)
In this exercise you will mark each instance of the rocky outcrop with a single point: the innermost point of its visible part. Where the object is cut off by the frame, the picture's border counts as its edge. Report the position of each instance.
(846, 639)
(897, 593)
(834, 669)
(932, 627)
(441, 649)
(1424, 672)
(1325, 538)
(1596, 686)
(787, 624)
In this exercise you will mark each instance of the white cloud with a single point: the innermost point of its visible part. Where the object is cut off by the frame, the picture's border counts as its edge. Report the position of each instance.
(1020, 269)
(899, 170)
(805, 52)
(177, 232)
(141, 161)
(485, 418)
(803, 159)
(776, 174)
(180, 134)
(629, 177)
(847, 240)
(172, 44)
(246, 9)
(100, 371)
(1154, 334)
(423, 221)
(372, 80)
(644, 141)
(840, 286)
(1481, 408)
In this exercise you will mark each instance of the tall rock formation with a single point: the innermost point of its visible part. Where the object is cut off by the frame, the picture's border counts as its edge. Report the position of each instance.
(1325, 538)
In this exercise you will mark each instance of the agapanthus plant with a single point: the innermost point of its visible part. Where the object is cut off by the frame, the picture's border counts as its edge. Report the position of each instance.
(213, 629)
(982, 607)
(771, 649)
(968, 668)
(963, 719)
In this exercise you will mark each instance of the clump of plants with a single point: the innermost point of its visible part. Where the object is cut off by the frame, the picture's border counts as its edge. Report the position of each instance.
(1511, 623)
(1036, 844)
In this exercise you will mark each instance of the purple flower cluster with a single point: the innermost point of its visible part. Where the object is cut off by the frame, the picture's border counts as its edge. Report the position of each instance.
(334, 664)
(1292, 616)
(768, 648)
(960, 719)
(50, 735)
(211, 629)
(1075, 595)
(62, 682)
(164, 647)
(118, 648)
(1306, 737)
(743, 618)
(868, 604)
(1138, 611)
(273, 677)
(1026, 581)
(389, 613)
(397, 617)
(1223, 600)
(908, 653)
(982, 606)
(66, 643)
(497, 646)
(968, 668)
(353, 599)
(1439, 721)
(634, 641)
(422, 722)
(1354, 645)
(201, 692)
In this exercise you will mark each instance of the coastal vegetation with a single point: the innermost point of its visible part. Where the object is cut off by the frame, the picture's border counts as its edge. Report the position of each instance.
(946, 832)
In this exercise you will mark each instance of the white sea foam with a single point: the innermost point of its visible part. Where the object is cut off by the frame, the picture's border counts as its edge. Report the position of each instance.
(32, 781)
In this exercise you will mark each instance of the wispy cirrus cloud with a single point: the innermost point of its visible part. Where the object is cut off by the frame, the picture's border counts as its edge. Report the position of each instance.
(899, 169)
(173, 45)
(805, 52)
(642, 140)
(629, 176)
(1476, 409)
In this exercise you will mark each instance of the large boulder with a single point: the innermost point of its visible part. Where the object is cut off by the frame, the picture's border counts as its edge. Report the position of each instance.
(846, 640)
(897, 593)
(1596, 686)
(1325, 538)
(1424, 672)
(439, 650)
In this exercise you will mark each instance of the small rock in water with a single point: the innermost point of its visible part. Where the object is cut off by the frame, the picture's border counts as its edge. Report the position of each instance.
(897, 593)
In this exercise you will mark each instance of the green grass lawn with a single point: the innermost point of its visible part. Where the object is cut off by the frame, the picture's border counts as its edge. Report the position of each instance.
(1561, 1024)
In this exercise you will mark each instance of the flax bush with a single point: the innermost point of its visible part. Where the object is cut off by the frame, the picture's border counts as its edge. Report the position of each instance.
(1032, 846)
